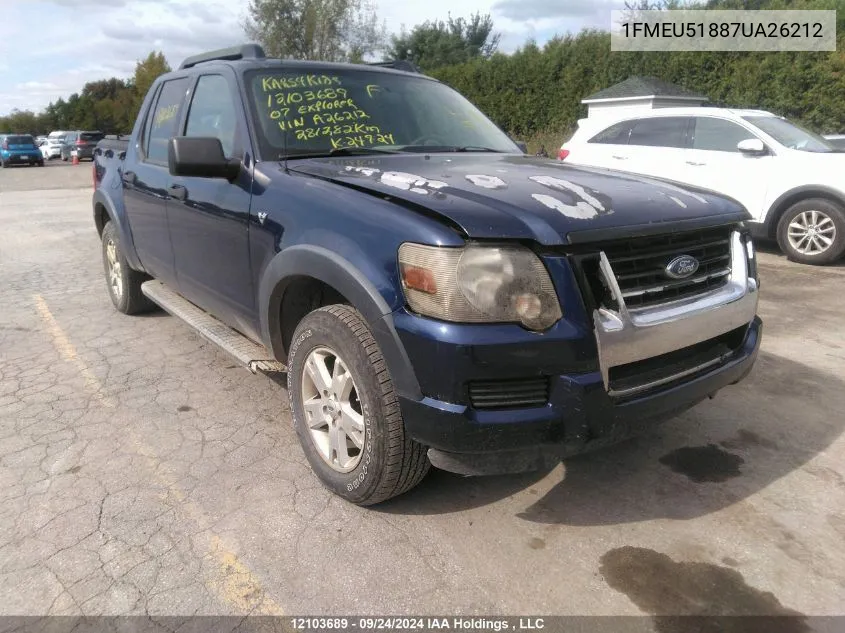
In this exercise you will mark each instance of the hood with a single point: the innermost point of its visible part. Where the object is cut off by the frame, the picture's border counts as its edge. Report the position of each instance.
(503, 196)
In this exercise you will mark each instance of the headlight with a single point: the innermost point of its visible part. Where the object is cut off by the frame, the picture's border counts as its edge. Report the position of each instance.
(479, 284)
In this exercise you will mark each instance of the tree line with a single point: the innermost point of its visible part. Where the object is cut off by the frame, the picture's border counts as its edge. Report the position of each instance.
(108, 105)
(533, 93)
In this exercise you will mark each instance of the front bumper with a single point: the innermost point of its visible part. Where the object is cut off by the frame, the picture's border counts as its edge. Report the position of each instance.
(579, 417)
(625, 370)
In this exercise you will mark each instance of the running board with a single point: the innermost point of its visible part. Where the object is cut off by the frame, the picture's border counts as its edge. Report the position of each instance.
(251, 355)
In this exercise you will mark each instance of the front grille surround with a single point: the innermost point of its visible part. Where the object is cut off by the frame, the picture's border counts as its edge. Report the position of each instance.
(627, 334)
(639, 265)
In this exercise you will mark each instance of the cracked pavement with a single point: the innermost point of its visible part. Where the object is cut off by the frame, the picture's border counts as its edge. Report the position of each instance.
(143, 472)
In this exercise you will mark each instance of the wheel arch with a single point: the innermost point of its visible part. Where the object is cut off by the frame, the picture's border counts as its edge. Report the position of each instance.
(343, 282)
(794, 196)
(105, 211)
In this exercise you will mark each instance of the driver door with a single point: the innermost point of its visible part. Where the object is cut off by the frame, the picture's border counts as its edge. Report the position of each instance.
(209, 217)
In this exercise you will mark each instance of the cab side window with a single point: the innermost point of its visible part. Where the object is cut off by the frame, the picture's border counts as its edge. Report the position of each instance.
(165, 119)
(213, 113)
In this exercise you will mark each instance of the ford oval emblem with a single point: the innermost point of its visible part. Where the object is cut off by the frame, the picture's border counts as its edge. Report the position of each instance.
(681, 267)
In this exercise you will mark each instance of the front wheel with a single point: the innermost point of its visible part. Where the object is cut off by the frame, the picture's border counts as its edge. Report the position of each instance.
(813, 231)
(124, 283)
(345, 410)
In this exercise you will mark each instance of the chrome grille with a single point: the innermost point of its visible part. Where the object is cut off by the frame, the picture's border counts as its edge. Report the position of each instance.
(639, 265)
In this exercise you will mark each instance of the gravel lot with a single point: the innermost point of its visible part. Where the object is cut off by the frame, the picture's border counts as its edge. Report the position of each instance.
(142, 472)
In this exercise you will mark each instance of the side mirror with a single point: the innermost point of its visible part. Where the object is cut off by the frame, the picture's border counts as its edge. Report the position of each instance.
(753, 146)
(200, 157)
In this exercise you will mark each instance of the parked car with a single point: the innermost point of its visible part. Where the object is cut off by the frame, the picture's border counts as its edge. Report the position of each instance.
(836, 140)
(434, 295)
(787, 177)
(19, 149)
(52, 147)
(80, 144)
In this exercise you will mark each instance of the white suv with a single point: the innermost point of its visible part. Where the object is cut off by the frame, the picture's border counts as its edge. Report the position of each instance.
(792, 181)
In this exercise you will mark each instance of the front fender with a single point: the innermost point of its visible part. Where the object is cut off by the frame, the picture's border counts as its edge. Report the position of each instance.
(305, 260)
(122, 222)
(790, 197)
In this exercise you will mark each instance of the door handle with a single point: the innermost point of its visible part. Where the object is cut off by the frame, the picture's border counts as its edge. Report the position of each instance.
(129, 177)
(178, 192)
(692, 162)
(620, 157)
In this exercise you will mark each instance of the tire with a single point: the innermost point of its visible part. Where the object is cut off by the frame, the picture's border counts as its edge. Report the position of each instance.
(128, 299)
(796, 237)
(388, 462)
(41, 163)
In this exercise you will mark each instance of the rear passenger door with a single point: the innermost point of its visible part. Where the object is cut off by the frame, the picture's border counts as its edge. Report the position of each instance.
(209, 217)
(657, 145)
(146, 178)
(607, 149)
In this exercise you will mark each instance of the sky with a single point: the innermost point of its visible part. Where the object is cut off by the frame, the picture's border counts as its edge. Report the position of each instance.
(51, 48)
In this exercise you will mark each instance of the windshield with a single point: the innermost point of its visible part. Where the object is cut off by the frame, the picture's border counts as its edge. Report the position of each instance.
(302, 114)
(91, 136)
(790, 135)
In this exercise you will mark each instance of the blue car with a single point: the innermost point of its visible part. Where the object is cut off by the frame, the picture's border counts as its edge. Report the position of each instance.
(19, 149)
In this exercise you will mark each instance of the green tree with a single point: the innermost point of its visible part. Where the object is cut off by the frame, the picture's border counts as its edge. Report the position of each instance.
(328, 30)
(146, 72)
(434, 44)
(21, 121)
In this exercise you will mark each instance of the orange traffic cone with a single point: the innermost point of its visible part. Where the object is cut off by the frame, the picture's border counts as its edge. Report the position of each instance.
(75, 159)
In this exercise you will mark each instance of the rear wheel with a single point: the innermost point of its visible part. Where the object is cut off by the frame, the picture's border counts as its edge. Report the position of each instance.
(124, 284)
(813, 231)
(345, 410)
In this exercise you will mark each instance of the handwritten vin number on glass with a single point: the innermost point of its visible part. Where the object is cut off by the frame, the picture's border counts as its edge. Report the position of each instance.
(315, 106)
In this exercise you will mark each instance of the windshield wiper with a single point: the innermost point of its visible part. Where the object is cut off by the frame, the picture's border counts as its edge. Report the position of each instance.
(475, 148)
(341, 151)
(434, 149)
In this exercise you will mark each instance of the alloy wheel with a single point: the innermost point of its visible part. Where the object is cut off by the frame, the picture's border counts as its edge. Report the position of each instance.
(333, 412)
(811, 232)
(115, 277)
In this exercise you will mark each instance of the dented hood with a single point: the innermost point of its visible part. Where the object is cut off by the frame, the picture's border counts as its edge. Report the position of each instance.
(498, 196)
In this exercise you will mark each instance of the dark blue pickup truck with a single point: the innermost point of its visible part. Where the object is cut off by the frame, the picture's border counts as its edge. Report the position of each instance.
(434, 295)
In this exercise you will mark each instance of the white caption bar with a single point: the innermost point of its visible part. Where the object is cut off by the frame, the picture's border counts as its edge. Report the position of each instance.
(691, 30)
